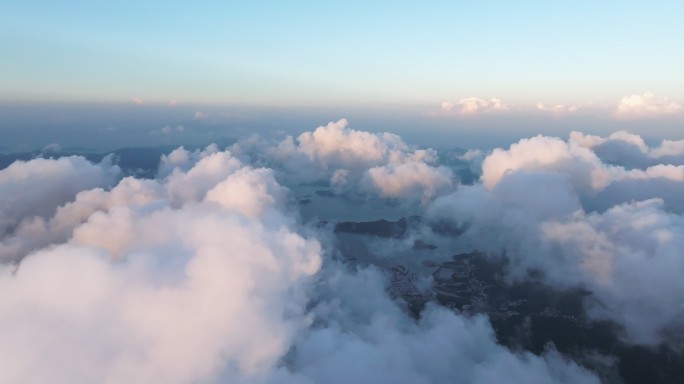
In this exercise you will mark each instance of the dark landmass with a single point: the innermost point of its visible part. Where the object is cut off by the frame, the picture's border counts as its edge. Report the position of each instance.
(400, 228)
(381, 228)
(402, 288)
(447, 228)
(420, 244)
(325, 193)
(317, 183)
(534, 317)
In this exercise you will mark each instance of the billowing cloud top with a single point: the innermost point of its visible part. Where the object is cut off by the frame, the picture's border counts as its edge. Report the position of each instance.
(557, 207)
(376, 162)
(38, 187)
(630, 150)
(208, 278)
(203, 274)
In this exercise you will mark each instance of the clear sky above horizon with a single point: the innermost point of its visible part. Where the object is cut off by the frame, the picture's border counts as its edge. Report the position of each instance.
(306, 53)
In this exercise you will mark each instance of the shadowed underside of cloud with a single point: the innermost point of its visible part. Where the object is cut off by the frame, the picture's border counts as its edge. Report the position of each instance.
(37, 187)
(556, 207)
(630, 150)
(202, 275)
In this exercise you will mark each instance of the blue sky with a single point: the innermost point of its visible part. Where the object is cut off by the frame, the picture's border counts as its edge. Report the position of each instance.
(298, 53)
(95, 74)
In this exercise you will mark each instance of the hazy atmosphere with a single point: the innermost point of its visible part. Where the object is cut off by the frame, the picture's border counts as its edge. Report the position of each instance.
(305, 192)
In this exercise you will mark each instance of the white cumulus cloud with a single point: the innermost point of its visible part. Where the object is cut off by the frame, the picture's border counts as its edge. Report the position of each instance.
(647, 104)
(36, 188)
(630, 150)
(555, 206)
(379, 162)
(558, 108)
(476, 105)
(201, 275)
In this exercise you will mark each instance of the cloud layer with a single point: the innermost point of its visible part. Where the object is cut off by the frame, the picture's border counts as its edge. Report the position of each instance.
(37, 187)
(203, 275)
(556, 207)
(206, 272)
(377, 163)
(474, 105)
(160, 281)
(647, 104)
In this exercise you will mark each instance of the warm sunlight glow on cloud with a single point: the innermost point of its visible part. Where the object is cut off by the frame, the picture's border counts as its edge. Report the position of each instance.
(476, 105)
(386, 192)
(558, 108)
(647, 104)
